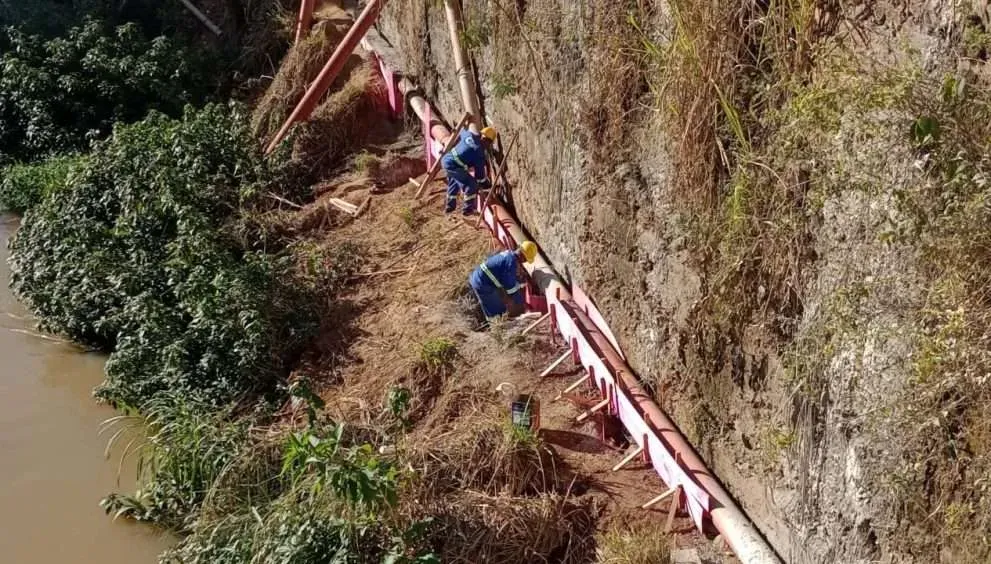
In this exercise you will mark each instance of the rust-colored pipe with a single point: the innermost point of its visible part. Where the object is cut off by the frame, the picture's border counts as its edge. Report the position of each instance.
(469, 95)
(741, 535)
(330, 71)
(304, 19)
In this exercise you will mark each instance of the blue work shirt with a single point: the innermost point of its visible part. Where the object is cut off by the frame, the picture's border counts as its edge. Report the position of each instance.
(468, 153)
(502, 266)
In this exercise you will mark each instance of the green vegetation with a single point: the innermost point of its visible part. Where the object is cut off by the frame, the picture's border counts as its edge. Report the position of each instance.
(240, 497)
(57, 95)
(138, 259)
(23, 186)
(157, 246)
(639, 544)
(503, 86)
(475, 35)
(437, 355)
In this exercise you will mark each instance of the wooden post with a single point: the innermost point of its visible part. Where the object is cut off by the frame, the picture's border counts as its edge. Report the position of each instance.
(628, 458)
(570, 388)
(673, 509)
(555, 364)
(304, 19)
(447, 147)
(592, 410)
(497, 177)
(660, 498)
(534, 325)
(202, 17)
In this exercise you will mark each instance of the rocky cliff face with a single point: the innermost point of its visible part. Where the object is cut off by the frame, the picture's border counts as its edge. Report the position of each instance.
(750, 192)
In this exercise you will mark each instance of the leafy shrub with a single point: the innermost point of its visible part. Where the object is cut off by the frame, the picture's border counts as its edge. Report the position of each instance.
(334, 501)
(57, 94)
(354, 475)
(437, 355)
(22, 186)
(186, 449)
(51, 17)
(132, 255)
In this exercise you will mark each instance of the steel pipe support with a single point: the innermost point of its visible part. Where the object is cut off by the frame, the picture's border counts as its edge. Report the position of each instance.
(330, 71)
(304, 19)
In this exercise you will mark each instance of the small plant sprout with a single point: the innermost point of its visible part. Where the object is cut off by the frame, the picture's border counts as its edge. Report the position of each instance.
(437, 355)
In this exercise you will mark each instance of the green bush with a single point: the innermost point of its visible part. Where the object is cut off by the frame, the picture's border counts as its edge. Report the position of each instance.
(58, 94)
(185, 450)
(134, 255)
(332, 502)
(51, 17)
(23, 186)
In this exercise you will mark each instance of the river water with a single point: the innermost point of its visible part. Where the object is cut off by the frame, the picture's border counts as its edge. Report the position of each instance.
(52, 466)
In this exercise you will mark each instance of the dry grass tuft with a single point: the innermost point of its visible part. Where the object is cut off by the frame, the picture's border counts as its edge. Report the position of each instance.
(481, 529)
(639, 544)
(457, 402)
(483, 453)
(299, 67)
(245, 481)
(342, 124)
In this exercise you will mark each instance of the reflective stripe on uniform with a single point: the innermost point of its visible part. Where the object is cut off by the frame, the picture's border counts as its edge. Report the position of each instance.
(457, 159)
(491, 276)
(495, 281)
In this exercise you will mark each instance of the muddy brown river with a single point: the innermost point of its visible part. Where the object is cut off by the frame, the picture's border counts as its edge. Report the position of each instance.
(52, 466)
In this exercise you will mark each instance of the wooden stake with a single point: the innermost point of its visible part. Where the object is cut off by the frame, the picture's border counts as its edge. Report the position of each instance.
(450, 145)
(278, 198)
(675, 502)
(498, 176)
(628, 458)
(534, 325)
(570, 388)
(346, 207)
(381, 272)
(592, 410)
(364, 206)
(661, 497)
(555, 364)
(200, 16)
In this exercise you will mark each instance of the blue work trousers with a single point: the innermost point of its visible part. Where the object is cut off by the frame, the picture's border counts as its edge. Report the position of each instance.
(491, 300)
(458, 180)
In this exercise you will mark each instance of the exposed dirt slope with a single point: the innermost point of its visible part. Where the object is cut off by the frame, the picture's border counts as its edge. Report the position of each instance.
(759, 196)
(412, 295)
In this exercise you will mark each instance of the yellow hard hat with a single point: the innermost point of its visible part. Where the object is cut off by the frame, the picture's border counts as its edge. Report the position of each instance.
(529, 250)
(489, 133)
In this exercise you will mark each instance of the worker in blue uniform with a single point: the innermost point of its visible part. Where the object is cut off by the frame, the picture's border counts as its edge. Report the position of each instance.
(469, 153)
(496, 281)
